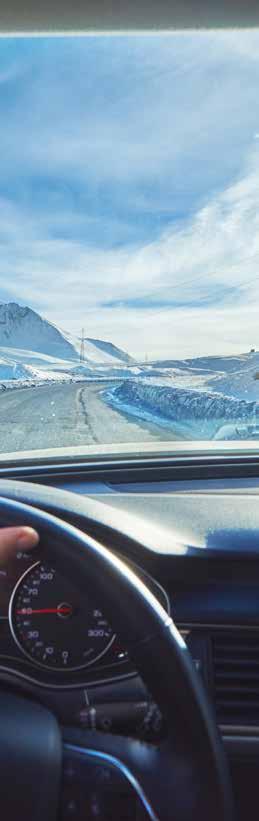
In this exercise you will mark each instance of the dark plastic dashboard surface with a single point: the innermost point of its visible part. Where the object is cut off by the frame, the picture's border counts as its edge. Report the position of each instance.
(209, 516)
(199, 540)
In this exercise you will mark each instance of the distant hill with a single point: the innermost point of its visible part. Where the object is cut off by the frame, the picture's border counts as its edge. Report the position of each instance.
(225, 364)
(236, 376)
(24, 329)
(109, 350)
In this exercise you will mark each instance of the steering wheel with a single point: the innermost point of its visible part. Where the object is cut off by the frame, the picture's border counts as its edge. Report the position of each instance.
(183, 778)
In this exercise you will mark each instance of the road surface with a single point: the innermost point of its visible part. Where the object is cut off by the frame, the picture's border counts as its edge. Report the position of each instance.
(68, 415)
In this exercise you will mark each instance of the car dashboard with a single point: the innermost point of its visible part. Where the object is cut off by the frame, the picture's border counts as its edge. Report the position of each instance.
(203, 567)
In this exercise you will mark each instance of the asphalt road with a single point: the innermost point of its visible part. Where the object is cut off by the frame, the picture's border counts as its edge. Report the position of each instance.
(68, 415)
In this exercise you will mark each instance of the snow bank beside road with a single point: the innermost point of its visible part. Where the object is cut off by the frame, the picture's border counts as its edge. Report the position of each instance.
(201, 414)
(12, 370)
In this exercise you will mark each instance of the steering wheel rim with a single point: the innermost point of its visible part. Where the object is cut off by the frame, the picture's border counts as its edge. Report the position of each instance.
(194, 747)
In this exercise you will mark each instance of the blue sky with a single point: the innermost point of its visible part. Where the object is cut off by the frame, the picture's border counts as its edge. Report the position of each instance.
(129, 187)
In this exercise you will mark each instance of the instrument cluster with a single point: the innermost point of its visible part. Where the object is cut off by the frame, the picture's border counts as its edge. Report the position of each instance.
(52, 633)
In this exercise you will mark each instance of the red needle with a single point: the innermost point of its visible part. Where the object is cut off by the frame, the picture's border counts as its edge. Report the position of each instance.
(28, 610)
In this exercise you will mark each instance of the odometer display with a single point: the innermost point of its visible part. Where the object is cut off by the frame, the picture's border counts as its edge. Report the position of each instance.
(54, 624)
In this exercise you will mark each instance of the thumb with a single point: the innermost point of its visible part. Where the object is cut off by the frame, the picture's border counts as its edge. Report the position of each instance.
(16, 538)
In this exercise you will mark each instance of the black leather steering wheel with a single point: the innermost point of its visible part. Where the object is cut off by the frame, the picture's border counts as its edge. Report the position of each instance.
(184, 778)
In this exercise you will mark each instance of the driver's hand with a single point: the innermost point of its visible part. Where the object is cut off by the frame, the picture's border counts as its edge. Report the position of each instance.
(16, 538)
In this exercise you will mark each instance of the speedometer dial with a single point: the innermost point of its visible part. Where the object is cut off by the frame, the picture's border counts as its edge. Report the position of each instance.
(54, 624)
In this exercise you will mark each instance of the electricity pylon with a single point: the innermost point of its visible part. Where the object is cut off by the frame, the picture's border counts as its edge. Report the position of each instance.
(82, 346)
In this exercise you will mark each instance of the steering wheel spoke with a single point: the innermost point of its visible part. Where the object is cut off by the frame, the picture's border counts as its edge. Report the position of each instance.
(30, 760)
(109, 776)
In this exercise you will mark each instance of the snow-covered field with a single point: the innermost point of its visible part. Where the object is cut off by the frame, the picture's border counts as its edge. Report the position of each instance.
(212, 397)
(203, 397)
(24, 368)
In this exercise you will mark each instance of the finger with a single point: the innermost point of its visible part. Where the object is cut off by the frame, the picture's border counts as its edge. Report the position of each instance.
(16, 538)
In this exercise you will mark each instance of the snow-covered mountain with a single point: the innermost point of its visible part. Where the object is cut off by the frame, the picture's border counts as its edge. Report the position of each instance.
(22, 329)
(99, 352)
(104, 351)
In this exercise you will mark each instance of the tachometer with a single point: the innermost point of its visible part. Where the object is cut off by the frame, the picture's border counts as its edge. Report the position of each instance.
(54, 624)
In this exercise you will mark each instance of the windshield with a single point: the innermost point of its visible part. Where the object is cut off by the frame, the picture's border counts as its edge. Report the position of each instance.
(129, 240)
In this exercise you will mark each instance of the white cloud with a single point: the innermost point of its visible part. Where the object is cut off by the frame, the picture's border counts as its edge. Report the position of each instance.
(218, 248)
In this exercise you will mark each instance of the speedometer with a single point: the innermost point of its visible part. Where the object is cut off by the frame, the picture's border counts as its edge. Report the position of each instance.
(54, 624)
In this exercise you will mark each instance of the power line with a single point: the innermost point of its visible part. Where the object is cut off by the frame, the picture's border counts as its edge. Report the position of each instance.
(201, 277)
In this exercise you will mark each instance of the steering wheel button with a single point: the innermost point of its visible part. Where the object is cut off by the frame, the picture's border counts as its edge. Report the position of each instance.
(103, 775)
(70, 809)
(69, 772)
(72, 806)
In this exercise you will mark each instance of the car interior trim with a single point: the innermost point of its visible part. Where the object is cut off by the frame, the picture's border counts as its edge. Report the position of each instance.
(79, 685)
(196, 465)
(239, 729)
(183, 628)
(112, 17)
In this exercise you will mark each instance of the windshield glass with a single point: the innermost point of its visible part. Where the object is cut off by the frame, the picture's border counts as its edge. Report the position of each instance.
(129, 240)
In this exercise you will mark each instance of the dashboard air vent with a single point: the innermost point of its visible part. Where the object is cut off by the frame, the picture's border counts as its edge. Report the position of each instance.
(235, 657)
